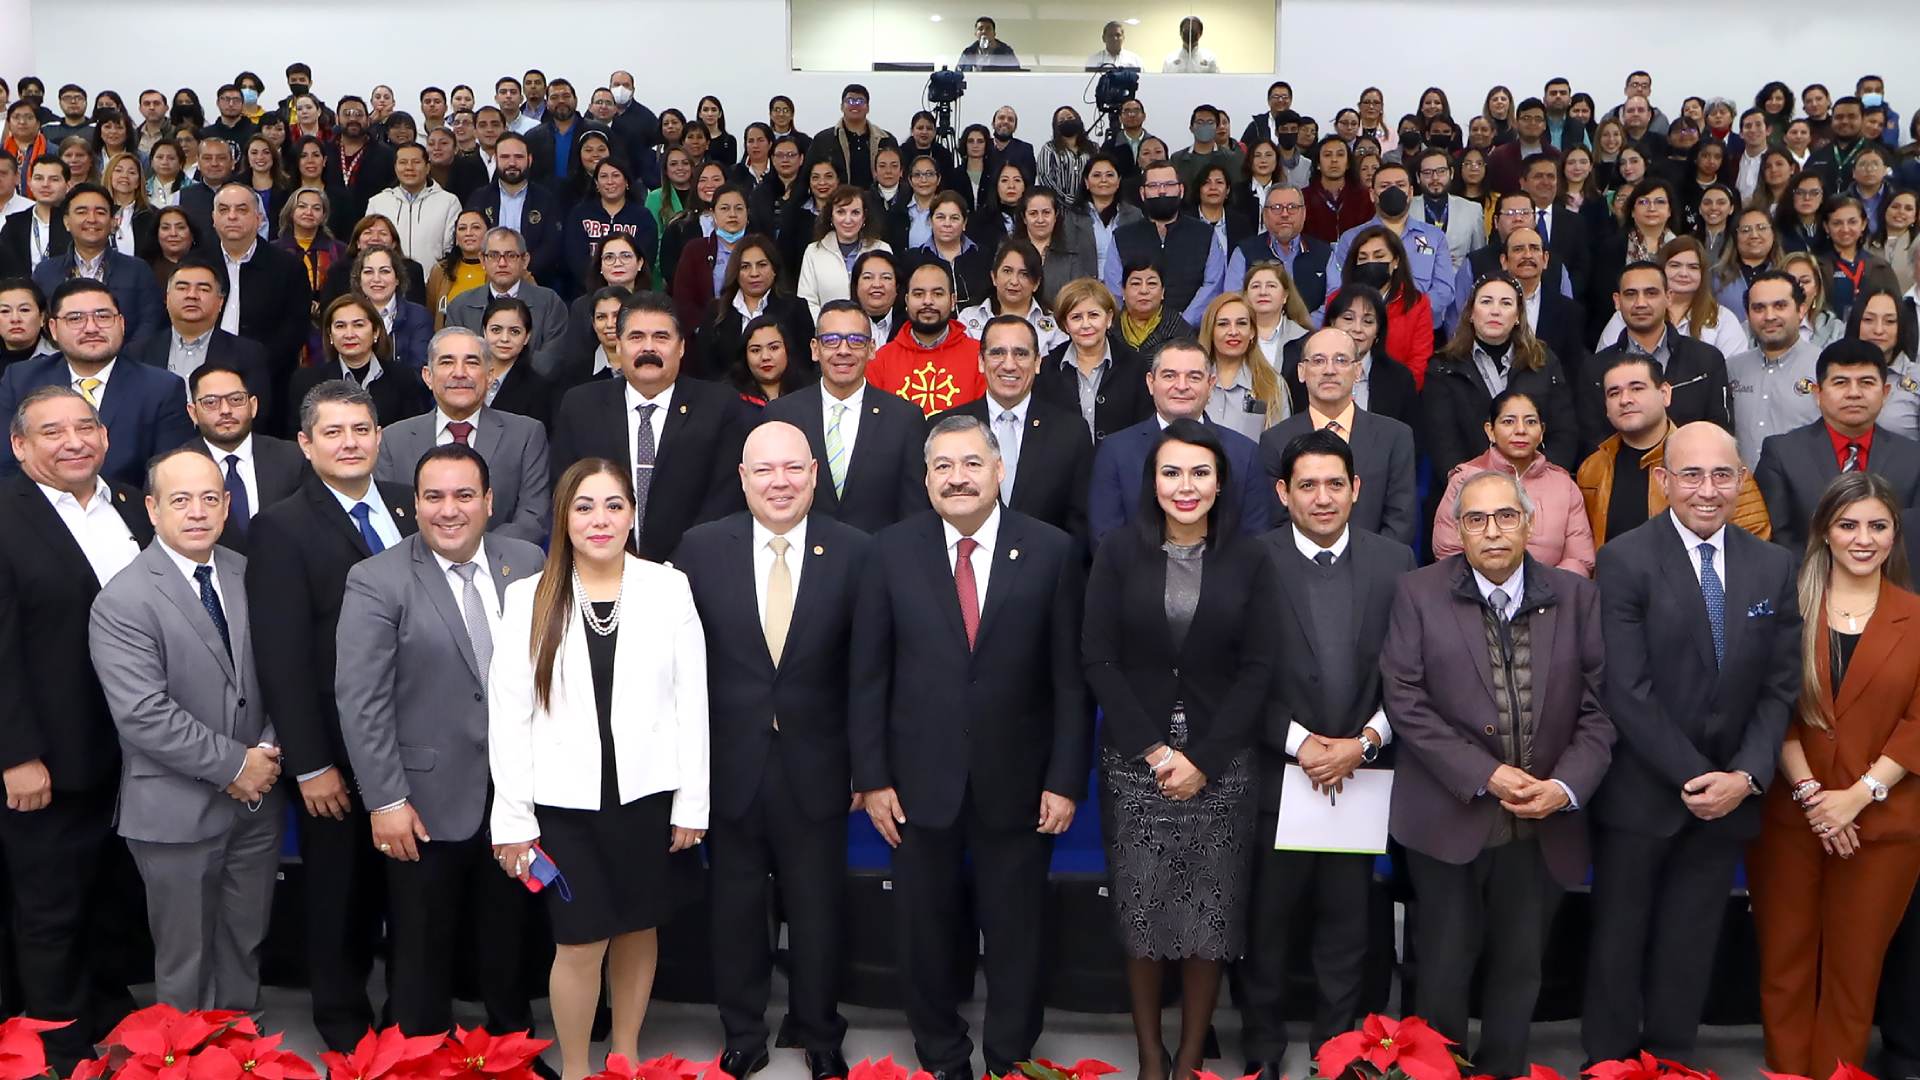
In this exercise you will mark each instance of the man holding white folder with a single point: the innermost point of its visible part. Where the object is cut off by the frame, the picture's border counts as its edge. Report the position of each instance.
(1323, 722)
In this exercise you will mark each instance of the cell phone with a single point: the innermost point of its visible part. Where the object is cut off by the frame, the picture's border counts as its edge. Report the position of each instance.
(542, 872)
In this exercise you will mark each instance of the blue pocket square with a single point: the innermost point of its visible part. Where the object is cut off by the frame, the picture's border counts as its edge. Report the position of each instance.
(1764, 607)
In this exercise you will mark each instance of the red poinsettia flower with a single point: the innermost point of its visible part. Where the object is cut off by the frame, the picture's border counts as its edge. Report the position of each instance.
(1844, 1071)
(1782, 1076)
(1383, 1044)
(90, 1069)
(476, 1055)
(22, 1053)
(1202, 1074)
(237, 1057)
(385, 1054)
(1643, 1067)
(1084, 1069)
(673, 1067)
(1542, 1072)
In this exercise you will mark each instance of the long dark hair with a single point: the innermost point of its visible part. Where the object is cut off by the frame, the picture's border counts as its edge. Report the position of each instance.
(1151, 523)
(1907, 339)
(730, 284)
(1400, 291)
(553, 597)
(1352, 295)
(1817, 569)
(740, 372)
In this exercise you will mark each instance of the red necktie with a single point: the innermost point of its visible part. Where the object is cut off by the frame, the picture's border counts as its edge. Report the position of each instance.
(459, 429)
(969, 592)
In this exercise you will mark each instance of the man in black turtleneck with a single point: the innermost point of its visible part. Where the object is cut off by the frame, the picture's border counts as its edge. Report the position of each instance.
(23, 317)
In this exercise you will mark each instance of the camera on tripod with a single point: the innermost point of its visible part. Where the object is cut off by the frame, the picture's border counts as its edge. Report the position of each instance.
(1116, 87)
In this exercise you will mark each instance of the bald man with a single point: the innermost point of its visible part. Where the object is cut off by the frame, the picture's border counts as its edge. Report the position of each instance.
(778, 705)
(1702, 635)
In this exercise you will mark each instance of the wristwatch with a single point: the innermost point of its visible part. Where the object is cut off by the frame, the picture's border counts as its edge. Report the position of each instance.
(1753, 786)
(1369, 751)
(1874, 787)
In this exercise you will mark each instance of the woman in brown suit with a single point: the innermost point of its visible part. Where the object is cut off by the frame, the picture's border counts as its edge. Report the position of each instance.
(1840, 849)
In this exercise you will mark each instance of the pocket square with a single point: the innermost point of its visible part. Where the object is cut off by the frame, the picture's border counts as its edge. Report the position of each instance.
(1763, 608)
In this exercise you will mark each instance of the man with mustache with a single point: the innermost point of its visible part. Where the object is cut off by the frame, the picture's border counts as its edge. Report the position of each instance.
(1556, 319)
(970, 730)
(1695, 370)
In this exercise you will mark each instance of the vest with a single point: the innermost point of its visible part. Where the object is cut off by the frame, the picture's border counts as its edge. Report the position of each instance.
(1181, 258)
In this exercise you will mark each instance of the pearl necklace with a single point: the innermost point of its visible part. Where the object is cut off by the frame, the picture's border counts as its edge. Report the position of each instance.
(603, 627)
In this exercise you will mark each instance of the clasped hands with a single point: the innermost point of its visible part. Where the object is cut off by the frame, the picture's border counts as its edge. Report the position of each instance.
(1525, 796)
(1328, 763)
(258, 775)
(1712, 796)
(1831, 814)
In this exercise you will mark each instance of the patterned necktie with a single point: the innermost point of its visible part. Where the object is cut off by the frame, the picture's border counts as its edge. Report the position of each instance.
(1852, 464)
(363, 516)
(1324, 558)
(479, 634)
(210, 600)
(239, 507)
(644, 453)
(90, 389)
(1716, 597)
(837, 451)
(779, 600)
(1007, 430)
(1337, 428)
(968, 590)
(460, 429)
(1497, 599)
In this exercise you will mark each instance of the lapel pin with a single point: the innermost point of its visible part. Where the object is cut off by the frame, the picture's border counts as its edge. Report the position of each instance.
(683, 410)
(818, 550)
(1014, 554)
(1035, 422)
(122, 494)
(505, 569)
(398, 511)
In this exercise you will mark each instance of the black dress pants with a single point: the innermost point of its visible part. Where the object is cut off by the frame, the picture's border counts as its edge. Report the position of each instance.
(345, 898)
(456, 884)
(1290, 888)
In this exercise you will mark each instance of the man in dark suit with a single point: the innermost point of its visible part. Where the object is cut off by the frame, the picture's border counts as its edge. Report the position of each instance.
(302, 548)
(70, 531)
(1796, 466)
(778, 705)
(1556, 319)
(1283, 210)
(1324, 716)
(1694, 369)
(513, 201)
(679, 438)
(357, 163)
(1180, 379)
(1702, 628)
(144, 409)
(970, 731)
(191, 335)
(1492, 674)
(1049, 461)
(268, 293)
(1382, 446)
(257, 470)
(1512, 211)
(1564, 233)
(40, 231)
(88, 213)
(216, 170)
(1007, 148)
(866, 440)
(415, 641)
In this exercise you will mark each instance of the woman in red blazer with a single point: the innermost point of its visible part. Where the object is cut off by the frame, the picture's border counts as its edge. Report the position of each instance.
(1377, 259)
(1839, 850)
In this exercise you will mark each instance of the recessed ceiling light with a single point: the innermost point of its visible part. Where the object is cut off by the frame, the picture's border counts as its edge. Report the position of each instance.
(935, 18)
(1132, 22)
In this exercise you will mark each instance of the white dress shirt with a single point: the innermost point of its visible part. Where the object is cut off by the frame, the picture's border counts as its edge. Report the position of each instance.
(1009, 447)
(986, 536)
(188, 568)
(249, 479)
(1692, 541)
(763, 561)
(99, 530)
(658, 424)
(849, 420)
(443, 437)
(1377, 723)
(105, 375)
(482, 581)
(230, 315)
(1126, 59)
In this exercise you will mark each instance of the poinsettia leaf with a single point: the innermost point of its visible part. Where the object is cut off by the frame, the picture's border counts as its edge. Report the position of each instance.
(1339, 1053)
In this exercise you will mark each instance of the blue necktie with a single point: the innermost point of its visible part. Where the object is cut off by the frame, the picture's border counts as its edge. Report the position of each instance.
(239, 510)
(211, 601)
(363, 516)
(1716, 598)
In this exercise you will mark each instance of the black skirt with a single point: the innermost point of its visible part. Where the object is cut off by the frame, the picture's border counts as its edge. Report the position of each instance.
(616, 867)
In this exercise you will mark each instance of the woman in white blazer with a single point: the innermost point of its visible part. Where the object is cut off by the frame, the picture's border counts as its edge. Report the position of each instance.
(597, 739)
(849, 228)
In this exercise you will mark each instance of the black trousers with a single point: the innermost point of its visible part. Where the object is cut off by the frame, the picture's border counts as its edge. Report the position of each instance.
(62, 863)
(456, 884)
(1492, 913)
(1291, 888)
(1899, 1002)
(1009, 881)
(345, 899)
(1658, 903)
(777, 845)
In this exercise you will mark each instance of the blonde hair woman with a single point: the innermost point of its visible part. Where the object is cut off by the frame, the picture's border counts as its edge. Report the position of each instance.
(1248, 398)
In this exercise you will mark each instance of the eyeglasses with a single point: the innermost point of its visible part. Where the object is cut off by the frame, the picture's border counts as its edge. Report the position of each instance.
(1722, 478)
(618, 257)
(501, 256)
(1651, 202)
(1753, 230)
(235, 400)
(853, 101)
(1504, 520)
(1323, 360)
(852, 341)
(1807, 193)
(1159, 185)
(1435, 174)
(74, 320)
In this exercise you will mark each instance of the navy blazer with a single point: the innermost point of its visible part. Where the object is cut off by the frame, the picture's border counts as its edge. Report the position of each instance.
(412, 329)
(1120, 463)
(142, 312)
(144, 408)
(542, 221)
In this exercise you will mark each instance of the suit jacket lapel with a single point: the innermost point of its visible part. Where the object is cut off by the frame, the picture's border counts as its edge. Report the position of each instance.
(1676, 566)
(821, 558)
(1293, 578)
(871, 420)
(183, 597)
(1006, 561)
(53, 532)
(504, 574)
(1742, 591)
(938, 576)
(486, 435)
(1473, 631)
(1541, 628)
(744, 595)
(1876, 646)
(234, 602)
(679, 414)
(426, 570)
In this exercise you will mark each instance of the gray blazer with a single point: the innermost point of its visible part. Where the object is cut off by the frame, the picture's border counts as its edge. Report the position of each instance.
(413, 702)
(516, 451)
(186, 711)
(1383, 456)
(1796, 466)
(546, 343)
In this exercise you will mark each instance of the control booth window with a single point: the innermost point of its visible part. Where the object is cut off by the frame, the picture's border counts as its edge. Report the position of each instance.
(1226, 36)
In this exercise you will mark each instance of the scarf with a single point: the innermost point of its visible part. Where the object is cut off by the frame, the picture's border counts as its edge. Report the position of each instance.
(1136, 333)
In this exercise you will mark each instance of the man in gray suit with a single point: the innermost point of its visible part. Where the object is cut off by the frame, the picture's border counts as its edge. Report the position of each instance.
(515, 447)
(415, 639)
(169, 639)
(504, 252)
(1382, 446)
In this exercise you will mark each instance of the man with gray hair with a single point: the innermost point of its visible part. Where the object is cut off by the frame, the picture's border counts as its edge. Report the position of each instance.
(1492, 679)
(503, 255)
(458, 363)
(970, 730)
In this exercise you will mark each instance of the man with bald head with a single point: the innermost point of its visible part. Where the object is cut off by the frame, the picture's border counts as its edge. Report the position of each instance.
(1703, 635)
(269, 297)
(778, 705)
(1383, 458)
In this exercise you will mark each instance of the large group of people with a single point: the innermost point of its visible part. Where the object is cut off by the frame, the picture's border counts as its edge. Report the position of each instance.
(596, 504)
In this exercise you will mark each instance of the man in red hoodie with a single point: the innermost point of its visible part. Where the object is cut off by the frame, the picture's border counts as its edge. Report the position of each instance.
(935, 364)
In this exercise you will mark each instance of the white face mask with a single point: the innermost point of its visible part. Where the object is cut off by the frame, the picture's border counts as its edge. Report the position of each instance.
(622, 95)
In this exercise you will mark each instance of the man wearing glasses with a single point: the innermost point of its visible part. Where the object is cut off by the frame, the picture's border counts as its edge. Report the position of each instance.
(1283, 210)
(1492, 673)
(1192, 265)
(867, 441)
(503, 255)
(1459, 218)
(853, 143)
(139, 405)
(256, 470)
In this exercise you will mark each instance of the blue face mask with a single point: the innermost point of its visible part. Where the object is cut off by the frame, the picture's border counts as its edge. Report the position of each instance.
(730, 236)
(1872, 100)
(250, 96)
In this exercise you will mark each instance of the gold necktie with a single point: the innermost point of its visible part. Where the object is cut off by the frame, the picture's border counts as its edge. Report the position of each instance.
(779, 599)
(90, 389)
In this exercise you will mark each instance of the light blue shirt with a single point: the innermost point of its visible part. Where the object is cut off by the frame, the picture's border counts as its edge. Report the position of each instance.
(1215, 272)
(919, 225)
(512, 207)
(1284, 254)
(1429, 261)
(381, 518)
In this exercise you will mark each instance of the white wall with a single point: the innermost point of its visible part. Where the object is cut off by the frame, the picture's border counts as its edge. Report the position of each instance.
(1328, 49)
(16, 38)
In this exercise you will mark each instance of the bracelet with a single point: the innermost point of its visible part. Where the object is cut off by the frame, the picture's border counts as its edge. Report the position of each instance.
(1805, 789)
(1156, 766)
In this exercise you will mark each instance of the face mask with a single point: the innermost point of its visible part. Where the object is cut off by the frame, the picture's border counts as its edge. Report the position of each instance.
(1162, 207)
(1373, 275)
(731, 236)
(1204, 132)
(250, 96)
(1872, 100)
(1287, 140)
(1068, 128)
(622, 95)
(1392, 203)
(1410, 143)
(299, 88)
